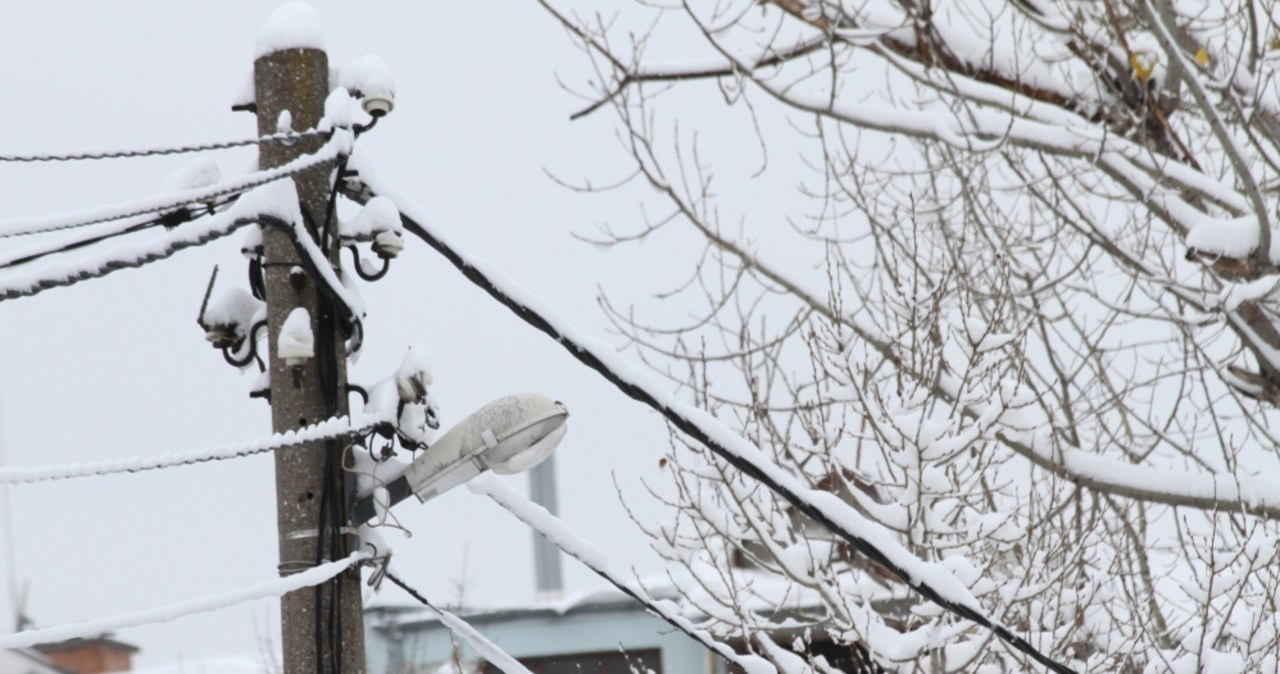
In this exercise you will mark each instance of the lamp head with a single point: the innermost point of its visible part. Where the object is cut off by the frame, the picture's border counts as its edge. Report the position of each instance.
(509, 435)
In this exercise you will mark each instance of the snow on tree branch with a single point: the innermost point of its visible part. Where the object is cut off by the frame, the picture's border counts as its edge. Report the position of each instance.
(1009, 289)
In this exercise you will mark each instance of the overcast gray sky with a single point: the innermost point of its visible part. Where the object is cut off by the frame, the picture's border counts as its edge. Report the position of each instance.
(118, 367)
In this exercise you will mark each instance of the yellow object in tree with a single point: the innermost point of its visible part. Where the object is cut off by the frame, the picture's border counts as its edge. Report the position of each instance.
(1143, 63)
(1202, 56)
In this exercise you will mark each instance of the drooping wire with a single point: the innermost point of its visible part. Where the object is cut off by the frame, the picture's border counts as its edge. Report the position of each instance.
(26, 285)
(31, 226)
(357, 265)
(545, 524)
(236, 189)
(276, 587)
(340, 427)
(385, 517)
(152, 152)
(495, 655)
(166, 219)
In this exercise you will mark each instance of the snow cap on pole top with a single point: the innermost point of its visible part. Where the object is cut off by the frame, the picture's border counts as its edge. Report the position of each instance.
(294, 25)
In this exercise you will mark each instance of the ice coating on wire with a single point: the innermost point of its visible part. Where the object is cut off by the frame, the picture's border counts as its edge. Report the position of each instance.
(162, 614)
(564, 537)
(338, 145)
(337, 427)
(276, 201)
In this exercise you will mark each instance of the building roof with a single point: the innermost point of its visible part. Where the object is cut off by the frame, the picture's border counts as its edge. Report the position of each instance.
(599, 601)
(104, 641)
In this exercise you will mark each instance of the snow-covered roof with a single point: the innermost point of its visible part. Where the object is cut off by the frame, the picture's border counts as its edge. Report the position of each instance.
(77, 643)
(765, 593)
(585, 602)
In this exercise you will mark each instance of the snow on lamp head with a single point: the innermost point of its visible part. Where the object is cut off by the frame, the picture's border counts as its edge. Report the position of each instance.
(509, 435)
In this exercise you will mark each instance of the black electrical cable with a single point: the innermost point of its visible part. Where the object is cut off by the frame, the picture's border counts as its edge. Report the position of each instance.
(56, 278)
(358, 266)
(693, 430)
(32, 230)
(60, 278)
(80, 243)
(151, 152)
(701, 636)
(329, 527)
(318, 590)
(142, 225)
(348, 313)
(256, 283)
(333, 492)
(328, 238)
(250, 346)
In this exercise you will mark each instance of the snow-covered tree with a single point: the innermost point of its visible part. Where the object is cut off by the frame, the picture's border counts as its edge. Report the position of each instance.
(1000, 275)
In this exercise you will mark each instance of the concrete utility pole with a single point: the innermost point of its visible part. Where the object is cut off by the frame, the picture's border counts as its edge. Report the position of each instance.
(297, 81)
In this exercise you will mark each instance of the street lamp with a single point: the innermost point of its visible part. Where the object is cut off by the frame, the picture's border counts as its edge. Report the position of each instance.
(509, 435)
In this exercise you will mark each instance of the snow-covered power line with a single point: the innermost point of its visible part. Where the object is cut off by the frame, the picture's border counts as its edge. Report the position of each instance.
(488, 650)
(931, 580)
(559, 533)
(338, 427)
(267, 202)
(156, 151)
(45, 248)
(335, 147)
(161, 614)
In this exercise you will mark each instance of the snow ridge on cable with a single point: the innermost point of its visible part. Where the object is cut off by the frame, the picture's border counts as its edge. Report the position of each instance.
(478, 642)
(154, 151)
(330, 428)
(265, 590)
(559, 533)
(277, 200)
(338, 145)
